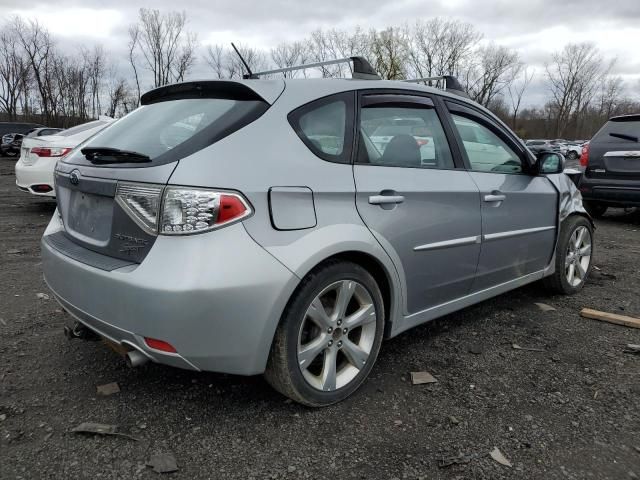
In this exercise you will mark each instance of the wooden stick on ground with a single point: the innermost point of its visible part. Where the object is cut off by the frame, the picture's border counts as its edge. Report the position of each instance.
(611, 318)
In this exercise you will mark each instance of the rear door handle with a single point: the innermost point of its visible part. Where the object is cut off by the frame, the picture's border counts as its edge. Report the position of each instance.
(385, 199)
(495, 197)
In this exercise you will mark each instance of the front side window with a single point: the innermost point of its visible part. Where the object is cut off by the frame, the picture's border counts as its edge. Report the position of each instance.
(485, 150)
(322, 126)
(402, 136)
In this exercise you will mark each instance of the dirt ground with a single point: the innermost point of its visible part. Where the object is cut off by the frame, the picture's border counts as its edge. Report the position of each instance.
(570, 411)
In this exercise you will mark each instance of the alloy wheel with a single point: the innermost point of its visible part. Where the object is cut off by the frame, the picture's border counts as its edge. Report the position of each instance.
(337, 335)
(578, 256)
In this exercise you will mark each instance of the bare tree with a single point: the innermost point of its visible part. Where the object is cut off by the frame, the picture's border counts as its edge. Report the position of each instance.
(516, 92)
(166, 48)
(289, 55)
(226, 63)
(389, 51)
(494, 70)
(440, 47)
(216, 57)
(14, 73)
(573, 74)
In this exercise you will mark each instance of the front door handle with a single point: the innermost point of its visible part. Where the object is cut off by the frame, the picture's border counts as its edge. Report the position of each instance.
(495, 197)
(385, 199)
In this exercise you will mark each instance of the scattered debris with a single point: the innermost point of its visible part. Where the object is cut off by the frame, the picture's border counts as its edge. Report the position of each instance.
(42, 296)
(459, 459)
(108, 389)
(610, 317)
(3, 322)
(632, 348)
(545, 308)
(397, 423)
(3, 417)
(100, 429)
(163, 463)
(499, 457)
(14, 251)
(419, 378)
(529, 349)
(475, 348)
(453, 420)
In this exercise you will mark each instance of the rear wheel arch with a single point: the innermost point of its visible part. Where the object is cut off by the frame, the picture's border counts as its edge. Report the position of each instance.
(377, 270)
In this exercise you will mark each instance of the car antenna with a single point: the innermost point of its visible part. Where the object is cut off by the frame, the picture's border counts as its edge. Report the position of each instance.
(249, 73)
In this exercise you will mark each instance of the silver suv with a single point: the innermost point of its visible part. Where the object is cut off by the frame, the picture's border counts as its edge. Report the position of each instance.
(286, 227)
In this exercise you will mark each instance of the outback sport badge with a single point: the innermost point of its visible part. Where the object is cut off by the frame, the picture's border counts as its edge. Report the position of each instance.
(131, 244)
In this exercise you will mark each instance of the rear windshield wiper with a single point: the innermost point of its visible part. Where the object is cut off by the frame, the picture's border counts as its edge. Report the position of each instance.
(113, 155)
(624, 136)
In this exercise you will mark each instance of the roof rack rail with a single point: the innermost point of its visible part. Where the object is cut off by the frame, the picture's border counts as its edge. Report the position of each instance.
(451, 84)
(362, 69)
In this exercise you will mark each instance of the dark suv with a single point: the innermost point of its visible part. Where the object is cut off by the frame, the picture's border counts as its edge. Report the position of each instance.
(612, 166)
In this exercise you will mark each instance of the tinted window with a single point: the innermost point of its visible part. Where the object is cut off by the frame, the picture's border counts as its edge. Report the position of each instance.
(485, 150)
(169, 130)
(399, 136)
(626, 128)
(322, 126)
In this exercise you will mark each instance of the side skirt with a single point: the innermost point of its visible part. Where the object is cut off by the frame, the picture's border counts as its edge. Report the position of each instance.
(432, 313)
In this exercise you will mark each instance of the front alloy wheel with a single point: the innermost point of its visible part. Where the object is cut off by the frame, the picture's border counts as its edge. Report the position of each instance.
(329, 336)
(578, 258)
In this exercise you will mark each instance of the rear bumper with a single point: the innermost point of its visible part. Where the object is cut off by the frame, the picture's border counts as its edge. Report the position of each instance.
(611, 192)
(40, 173)
(216, 297)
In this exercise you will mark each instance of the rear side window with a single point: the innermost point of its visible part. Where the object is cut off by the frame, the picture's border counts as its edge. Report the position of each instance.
(324, 126)
(168, 130)
(617, 131)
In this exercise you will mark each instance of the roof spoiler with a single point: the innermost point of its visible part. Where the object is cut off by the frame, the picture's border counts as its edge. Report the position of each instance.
(362, 69)
(451, 84)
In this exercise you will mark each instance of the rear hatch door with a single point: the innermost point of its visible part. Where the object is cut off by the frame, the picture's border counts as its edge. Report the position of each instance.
(614, 152)
(123, 169)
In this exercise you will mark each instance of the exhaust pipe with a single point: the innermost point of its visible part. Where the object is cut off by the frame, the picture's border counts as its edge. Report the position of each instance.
(134, 359)
(81, 332)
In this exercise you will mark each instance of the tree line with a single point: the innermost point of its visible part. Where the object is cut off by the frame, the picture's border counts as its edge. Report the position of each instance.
(38, 81)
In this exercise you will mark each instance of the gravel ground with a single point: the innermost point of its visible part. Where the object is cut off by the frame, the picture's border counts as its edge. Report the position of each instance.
(571, 410)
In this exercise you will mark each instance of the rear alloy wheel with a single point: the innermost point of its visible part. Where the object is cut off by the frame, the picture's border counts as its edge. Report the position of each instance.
(329, 336)
(573, 256)
(596, 210)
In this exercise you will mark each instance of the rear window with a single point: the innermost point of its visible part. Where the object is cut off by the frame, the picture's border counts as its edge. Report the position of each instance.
(630, 128)
(81, 128)
(168, 130)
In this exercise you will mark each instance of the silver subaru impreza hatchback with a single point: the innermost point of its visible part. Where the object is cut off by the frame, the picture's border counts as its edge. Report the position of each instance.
(286, 227)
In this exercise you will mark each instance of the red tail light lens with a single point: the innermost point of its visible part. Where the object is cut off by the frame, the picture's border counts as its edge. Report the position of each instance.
(50, 152)
(584, 156)
(159, 345)
(231, 207)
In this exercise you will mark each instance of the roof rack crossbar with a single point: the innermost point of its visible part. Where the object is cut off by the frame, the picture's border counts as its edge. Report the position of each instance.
(451, 84)
(362, 69)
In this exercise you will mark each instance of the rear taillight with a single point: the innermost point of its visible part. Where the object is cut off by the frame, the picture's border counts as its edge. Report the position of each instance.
(51, 151)
(194, 210)
(584, 155)
(180, 210)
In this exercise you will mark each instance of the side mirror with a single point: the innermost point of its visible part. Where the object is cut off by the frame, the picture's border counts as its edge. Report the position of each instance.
(550, 162)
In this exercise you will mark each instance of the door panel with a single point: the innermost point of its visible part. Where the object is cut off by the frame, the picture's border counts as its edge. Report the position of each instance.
(519, 211)
(423, 211)
(518, 233)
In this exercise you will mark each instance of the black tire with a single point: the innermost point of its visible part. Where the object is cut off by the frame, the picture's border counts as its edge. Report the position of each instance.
(558, 282)
(595, 209)
(283, 372)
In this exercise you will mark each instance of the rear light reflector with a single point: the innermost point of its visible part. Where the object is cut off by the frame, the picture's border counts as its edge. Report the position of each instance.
(41, 188)
(584, 156)
(159, 345)
(50, 151)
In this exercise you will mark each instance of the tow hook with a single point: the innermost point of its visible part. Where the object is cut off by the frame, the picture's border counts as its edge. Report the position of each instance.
(80, 331)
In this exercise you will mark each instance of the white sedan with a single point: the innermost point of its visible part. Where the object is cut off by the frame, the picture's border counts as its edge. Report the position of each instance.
(39, 155)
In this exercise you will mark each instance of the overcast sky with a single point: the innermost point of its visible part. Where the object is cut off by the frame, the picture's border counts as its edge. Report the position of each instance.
(533, 27)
